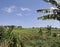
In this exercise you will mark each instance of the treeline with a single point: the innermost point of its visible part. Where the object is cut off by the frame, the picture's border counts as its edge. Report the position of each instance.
(12, 26)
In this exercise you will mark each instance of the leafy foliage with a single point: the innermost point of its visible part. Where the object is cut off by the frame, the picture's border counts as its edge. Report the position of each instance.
(2, 33)
(55, 12)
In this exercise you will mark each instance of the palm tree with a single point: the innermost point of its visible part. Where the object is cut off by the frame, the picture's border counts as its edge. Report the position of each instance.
(54, 13)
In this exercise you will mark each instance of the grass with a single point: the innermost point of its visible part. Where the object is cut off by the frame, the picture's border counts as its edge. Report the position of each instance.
(31, 37)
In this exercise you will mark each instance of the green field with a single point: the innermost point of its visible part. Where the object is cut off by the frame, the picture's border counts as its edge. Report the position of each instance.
(32, 37)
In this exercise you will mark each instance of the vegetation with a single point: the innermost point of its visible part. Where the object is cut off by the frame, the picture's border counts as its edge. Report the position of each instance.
(54, 13)
(30, 37)
(13, 36)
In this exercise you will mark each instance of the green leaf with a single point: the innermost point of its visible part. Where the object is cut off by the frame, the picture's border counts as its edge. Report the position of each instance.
(49, 16)
(45, 10)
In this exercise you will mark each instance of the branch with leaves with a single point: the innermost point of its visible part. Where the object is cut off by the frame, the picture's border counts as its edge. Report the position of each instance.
(54, 13)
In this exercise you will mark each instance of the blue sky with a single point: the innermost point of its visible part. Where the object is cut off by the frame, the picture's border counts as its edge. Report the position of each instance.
(23, 13)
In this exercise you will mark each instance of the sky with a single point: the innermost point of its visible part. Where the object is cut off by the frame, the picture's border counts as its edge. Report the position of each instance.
(23, 13)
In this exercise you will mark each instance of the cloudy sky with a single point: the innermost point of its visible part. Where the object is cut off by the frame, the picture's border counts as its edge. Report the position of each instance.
(23, 13)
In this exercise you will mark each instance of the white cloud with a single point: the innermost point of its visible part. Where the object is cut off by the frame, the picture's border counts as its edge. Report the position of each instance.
(25, 9)
(9, 9)
(19, 14)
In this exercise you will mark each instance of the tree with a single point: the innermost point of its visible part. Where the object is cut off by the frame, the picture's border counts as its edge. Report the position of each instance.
(55, 12)
(20, 27)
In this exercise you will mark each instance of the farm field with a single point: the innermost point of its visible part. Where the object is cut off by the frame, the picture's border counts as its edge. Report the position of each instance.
(34, 37)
